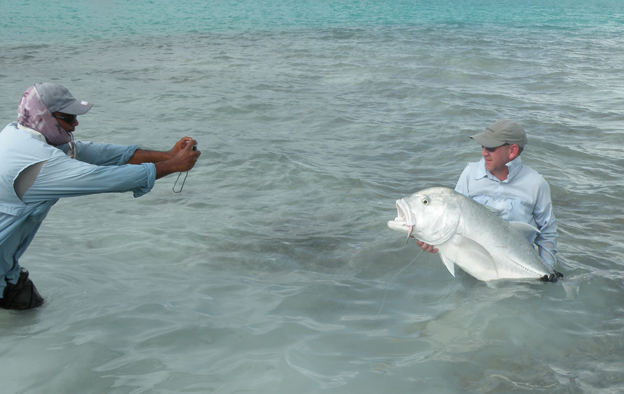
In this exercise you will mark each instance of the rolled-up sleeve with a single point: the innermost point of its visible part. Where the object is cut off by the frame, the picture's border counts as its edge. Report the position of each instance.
(64, 177)
(102, 154)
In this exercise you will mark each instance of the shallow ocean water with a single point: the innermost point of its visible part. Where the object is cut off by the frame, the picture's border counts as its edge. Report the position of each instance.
(274, 270)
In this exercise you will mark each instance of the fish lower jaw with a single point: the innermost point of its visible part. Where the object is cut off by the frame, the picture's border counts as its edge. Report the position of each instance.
(399, 226)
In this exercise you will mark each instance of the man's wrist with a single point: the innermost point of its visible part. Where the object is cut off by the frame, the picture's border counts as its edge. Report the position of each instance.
(149, 156)
(164, 168)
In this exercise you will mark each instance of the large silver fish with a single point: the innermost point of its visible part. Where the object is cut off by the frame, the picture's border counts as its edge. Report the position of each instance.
(469, 235)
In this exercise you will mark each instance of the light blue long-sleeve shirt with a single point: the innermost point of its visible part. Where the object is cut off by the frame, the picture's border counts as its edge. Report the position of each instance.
(99, 168)
(523, 197)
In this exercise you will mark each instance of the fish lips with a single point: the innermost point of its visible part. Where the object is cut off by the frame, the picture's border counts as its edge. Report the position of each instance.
(405, 220)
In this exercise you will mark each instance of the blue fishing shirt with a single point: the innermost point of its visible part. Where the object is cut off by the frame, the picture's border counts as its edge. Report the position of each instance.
(523, 197)
(98, 168)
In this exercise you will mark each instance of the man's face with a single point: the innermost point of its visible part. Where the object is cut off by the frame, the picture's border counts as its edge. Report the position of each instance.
(67, 122)
(496, 158)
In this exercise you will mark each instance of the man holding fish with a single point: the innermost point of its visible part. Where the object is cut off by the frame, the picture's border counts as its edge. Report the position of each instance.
(514, 191)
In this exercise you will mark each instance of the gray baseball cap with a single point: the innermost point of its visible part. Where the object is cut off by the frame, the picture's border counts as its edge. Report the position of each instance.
(501, 132)
(58, 99)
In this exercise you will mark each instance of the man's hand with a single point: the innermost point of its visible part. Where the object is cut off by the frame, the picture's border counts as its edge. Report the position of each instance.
(183, 160)
(426, 247)
(180, 145)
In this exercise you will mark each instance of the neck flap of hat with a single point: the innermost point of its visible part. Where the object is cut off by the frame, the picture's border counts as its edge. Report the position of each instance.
(34, 114)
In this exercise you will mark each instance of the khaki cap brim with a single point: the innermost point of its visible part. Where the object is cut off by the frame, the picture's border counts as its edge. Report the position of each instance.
(501, 132)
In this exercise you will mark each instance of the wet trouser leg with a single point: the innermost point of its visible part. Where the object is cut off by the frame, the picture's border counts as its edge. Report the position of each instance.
(22, 295)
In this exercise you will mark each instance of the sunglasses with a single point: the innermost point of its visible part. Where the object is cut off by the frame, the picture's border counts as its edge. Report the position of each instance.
(492, 150)
(67, 118)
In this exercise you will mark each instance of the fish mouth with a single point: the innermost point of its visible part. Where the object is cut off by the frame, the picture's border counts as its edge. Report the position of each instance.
(404, 214)
(404, 220)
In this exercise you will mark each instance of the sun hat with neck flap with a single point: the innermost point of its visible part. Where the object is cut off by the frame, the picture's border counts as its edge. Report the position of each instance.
(501, 132)
(58, 99)
(36, 108)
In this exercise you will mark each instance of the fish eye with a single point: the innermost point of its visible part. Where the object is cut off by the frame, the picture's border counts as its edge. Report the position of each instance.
(425, 201)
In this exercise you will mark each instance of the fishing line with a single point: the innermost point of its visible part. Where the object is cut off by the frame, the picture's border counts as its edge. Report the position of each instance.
(388, 285)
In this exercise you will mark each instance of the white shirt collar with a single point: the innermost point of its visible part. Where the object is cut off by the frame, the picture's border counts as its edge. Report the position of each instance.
(514, 167)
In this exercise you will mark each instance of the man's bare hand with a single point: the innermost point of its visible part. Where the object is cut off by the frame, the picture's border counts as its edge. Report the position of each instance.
(183, 160)
(180, 145)
(426, 247)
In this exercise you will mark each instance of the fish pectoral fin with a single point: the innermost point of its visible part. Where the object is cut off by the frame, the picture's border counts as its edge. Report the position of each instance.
(525, 230)
(450, 265)
(474, 258)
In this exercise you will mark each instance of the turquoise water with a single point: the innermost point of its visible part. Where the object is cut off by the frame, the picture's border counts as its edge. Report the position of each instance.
(69, 21)
(274, 270)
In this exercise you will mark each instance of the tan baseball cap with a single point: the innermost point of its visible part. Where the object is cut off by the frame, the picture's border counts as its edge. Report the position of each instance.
(501, 132)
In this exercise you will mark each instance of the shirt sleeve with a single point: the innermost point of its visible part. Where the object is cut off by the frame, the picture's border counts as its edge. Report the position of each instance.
(102, 154)
(62, 176)
(462, 182)
(546, 240)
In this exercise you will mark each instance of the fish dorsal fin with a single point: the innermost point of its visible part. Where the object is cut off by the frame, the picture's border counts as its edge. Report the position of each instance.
(495, 211)
(449, 264)
(525, 230)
